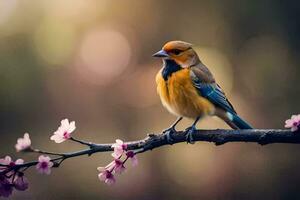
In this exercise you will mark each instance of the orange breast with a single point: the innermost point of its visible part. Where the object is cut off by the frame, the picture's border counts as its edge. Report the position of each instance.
(180, 97)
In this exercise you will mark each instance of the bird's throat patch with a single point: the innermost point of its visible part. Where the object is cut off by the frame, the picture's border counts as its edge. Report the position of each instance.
(170, 66)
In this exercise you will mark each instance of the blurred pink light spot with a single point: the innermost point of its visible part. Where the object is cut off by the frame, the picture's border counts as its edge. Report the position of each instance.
(104, 54)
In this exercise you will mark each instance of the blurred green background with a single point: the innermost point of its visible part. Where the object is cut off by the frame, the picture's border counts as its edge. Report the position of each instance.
(90, 61)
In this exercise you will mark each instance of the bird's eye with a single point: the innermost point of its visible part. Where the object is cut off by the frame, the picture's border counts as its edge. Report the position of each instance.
(176, 51)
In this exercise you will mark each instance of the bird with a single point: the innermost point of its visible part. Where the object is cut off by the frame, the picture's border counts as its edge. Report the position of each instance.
(188, 89)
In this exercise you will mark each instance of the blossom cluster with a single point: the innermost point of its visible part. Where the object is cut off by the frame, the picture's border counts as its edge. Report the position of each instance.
(15, 179)
(11, 180)
(117, 166)
(12, 175)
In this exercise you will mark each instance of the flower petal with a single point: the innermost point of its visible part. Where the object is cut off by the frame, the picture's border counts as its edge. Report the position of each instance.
(64, 123)
(71, 127)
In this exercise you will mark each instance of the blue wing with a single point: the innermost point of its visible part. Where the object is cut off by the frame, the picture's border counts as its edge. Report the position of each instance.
(214, 93)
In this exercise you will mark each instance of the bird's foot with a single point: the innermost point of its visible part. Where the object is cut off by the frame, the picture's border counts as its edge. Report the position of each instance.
(189, 134)
(168, 133)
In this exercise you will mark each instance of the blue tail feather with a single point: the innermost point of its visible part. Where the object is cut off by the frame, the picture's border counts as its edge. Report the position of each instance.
(239, 122)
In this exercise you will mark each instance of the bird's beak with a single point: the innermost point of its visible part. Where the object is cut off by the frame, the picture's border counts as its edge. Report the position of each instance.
(161, 54)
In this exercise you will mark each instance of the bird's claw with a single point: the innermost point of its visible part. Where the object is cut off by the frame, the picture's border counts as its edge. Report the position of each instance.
(168, 133)
(189, 134)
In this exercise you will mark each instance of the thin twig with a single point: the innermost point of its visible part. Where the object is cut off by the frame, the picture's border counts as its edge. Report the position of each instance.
(46, 152)
(89, 144)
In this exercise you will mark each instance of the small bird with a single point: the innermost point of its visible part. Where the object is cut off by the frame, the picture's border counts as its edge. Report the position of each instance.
(188, 89)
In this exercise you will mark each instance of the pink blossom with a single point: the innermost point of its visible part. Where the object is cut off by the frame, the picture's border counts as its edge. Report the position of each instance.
(106, 176)
(132, 156)
(63, 132)
(293, 123)
(8, 161)
(6, 188)
(6, 185)
(21, 182)
(116, 166)
(119, 148)
(119, 167)
(23, 143)
(19, 161)
(44, 165)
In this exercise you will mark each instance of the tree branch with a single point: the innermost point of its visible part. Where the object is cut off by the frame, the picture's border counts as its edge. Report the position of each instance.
(219, 137)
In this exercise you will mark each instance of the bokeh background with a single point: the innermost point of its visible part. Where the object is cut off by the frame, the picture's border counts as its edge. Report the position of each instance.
(90, 61)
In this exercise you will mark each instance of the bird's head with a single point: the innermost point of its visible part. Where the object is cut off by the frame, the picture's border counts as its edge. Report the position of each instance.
(181, 52)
